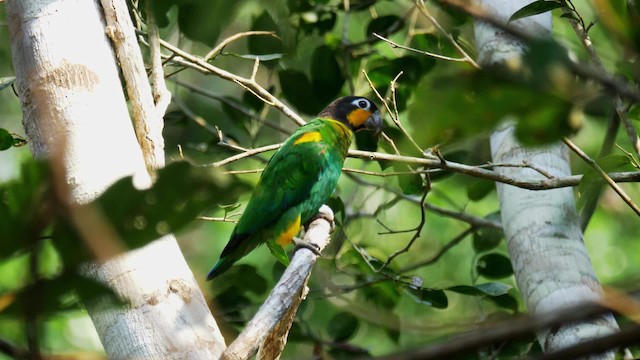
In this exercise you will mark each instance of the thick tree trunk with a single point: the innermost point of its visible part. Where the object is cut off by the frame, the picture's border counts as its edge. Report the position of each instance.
(542, 229)
(72, 99)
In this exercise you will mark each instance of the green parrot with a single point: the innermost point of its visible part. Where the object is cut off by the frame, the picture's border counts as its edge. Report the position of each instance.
(299, 178)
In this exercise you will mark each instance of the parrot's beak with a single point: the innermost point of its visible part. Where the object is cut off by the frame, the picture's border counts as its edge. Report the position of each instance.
(374, 123)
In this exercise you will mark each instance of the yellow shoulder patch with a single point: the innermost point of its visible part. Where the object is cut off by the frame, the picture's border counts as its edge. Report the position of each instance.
(287, 236)
(313, 136)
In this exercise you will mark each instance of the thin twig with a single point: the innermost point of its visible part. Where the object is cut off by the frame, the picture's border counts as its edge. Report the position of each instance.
(247, 153)
(421, 52)
(161, 95)
(470, 170)
(423, 9)
(618, 104)
(604, 175)
(607, 146)
(248, 84)
(236, 106)
(452, 243)
(586, 72)
(415, 236)
(218, 49)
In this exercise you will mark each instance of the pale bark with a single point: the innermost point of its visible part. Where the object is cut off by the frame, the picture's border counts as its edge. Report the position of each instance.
(542, 230)
(268, 329)
(69, 86)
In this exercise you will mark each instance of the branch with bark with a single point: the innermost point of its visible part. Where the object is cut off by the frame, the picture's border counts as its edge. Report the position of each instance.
(267, 331)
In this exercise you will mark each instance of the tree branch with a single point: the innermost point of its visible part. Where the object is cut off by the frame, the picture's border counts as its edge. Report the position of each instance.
(147, 121)
(270, 326)
(248, 83)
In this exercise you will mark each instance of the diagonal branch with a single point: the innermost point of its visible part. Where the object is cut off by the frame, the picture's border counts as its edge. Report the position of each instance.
(272, 322)
(184, 58)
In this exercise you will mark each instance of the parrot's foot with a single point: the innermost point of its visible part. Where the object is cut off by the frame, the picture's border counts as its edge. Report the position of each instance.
(322, 216)
(303, 244)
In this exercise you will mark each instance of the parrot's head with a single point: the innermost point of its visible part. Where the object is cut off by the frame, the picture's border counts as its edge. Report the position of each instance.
(356, 112)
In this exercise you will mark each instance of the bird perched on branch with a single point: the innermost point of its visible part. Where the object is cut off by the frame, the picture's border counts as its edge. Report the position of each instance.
(298, 179)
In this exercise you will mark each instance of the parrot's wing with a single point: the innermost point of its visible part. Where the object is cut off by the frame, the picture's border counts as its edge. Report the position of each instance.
(286, 182)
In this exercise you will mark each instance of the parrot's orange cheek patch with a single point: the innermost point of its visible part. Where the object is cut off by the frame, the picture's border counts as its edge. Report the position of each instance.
(308, 137)
(287, 236)
(357, 117)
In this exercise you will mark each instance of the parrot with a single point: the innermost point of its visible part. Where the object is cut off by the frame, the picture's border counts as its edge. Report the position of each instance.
(299, 178)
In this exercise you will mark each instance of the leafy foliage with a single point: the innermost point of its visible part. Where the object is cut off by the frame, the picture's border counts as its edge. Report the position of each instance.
(358, 304)
(33, 213)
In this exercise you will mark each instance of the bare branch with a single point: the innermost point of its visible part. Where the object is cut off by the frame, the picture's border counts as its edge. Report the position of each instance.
(276, 313)
(147, 121)
(249, 84)
(422, 52)
(218, 49)
(423, 9)
(604, 175)
(161, 95)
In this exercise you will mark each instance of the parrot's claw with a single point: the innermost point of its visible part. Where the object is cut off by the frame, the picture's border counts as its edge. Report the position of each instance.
(303, 244)
(323, 216)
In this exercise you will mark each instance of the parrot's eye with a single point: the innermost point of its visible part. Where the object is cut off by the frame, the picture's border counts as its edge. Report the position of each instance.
(362, 104)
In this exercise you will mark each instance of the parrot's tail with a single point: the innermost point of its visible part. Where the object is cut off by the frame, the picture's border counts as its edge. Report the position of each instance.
(221, 266)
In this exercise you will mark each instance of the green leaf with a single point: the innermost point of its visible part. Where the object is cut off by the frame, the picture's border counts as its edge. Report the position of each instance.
(297, 89)
(336, 204)
(342, 326)
(430, 297)
(535, 8)
(317, 21)
(6, 81)
(410, 184)
(25, 205)
(268, 47)
(466, 105)
(506, 301)
(180, 193)
(231, 303)
(384, 25)
(266, 57)
(195, 18)
(487, 238)
(366, 141)
(494, 266)
(592, 182)
(248, 277)
(59, 293)
(491, 289)
(326, 76)
(6, 139)
(478, 189)
(278, 252)
(610, 163)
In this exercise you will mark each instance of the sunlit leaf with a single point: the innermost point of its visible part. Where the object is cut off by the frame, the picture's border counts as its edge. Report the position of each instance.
(535, 8)
(6, 139)
(336, 204)
(486, 289)
(6, 81)
(431, 297)
(278, 252)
